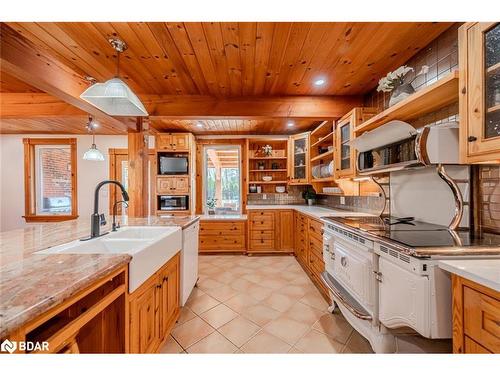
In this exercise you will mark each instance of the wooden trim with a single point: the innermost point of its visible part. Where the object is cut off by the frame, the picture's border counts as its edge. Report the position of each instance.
(30, 181)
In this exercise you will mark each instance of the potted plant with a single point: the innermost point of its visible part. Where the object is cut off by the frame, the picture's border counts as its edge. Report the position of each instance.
(211, 203)
(309, 195)
(394, 82)
(267, 150)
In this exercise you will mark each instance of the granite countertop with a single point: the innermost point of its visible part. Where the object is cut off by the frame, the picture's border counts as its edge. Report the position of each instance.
(317, 212)
(229, 217)
(31, 284)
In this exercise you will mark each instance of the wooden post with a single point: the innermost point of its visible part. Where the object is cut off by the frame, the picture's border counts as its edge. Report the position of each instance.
(138, 170)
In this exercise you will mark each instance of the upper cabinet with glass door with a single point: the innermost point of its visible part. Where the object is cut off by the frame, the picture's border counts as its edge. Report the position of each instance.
(299, 159)
(479, 46)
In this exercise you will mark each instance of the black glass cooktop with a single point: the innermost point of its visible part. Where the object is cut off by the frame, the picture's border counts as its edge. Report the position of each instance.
(416, 234)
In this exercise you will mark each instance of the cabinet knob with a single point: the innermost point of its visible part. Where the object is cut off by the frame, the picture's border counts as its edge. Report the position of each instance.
(471, 138)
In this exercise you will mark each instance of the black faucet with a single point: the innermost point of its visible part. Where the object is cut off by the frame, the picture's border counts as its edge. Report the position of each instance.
(96, 219)
(115, 226)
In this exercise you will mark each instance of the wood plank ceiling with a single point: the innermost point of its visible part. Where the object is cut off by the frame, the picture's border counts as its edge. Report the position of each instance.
(232, 59)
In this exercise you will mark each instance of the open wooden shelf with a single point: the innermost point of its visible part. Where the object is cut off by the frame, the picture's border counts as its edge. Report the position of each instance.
(322, 156)
(268, 158)
(493, 109)
(493, 68)
(424, 101)
(328, 137)
(324, 179)
(267, 170)
(267, 182)
(321, 128)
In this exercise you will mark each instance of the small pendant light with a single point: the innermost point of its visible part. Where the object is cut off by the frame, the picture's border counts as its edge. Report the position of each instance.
(92, 153)
(114, 97)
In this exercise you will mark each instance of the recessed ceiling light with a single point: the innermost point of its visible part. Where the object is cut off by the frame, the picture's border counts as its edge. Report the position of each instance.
(290, 123)
(319, 82)
(199, 124)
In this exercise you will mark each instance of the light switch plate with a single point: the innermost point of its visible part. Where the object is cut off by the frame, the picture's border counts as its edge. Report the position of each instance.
(342, 200)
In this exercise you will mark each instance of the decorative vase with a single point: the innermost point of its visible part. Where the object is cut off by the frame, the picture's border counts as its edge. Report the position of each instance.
(211, 212)
(310, 202)
(401, 92)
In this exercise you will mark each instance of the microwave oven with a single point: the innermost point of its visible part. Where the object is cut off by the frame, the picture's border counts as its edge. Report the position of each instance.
(173, 202)
(172, 164)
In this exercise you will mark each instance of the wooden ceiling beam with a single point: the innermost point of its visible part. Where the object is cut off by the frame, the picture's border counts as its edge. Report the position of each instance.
(209, 107)
(20, 58)
(35, 105)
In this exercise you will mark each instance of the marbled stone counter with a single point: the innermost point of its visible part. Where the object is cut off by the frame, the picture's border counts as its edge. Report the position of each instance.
(31, 284)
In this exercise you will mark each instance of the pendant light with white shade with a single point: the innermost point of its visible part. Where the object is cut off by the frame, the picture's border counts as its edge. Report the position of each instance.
(93, 154)
(114, 97)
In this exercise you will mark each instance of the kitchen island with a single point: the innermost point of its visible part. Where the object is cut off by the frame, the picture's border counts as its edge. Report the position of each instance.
(34, 286)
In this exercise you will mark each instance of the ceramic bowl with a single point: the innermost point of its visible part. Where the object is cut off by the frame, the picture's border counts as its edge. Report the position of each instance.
(280, 189)
(267, 178)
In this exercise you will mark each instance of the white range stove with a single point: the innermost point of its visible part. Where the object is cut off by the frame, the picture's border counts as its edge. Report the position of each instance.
(383, 275)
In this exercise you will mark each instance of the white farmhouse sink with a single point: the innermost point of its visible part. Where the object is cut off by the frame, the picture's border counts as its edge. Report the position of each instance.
(150, 248)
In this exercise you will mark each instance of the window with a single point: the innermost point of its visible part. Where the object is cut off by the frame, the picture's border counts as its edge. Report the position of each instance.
(222, 179)
(50, 179)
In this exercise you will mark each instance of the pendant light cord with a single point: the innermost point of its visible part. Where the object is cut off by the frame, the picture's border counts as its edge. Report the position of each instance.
(118, 65)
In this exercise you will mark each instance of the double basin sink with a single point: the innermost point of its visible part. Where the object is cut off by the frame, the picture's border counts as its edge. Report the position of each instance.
(149, 247)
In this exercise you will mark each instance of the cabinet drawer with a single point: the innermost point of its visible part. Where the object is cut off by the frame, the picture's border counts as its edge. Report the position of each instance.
(262, 244)
(482, 319)
(222, 228)
(262, 222)
(222, 242)
(316, 228)
(315, 245)
(472, 347)
(316, 264)
(261, 235)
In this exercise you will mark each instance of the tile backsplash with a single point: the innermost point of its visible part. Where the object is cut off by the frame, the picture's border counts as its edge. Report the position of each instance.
(489, 198)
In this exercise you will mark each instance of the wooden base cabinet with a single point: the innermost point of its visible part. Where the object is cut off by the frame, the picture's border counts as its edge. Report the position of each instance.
(270, 231)
(154, 308)
(309, 249)
(476, 317)
(222, 236)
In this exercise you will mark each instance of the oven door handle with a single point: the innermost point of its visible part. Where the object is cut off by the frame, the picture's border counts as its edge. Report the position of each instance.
(344, 297)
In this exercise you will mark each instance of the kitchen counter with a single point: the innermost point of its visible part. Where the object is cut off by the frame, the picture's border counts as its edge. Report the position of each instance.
(31, 284)
(316, 212)
(235, 217)
(482, 271)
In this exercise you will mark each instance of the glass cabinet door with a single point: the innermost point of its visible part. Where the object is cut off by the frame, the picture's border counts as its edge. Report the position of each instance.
(299, 162)
(492, 81)
(344, 155)
(482, 109)
(345, 149)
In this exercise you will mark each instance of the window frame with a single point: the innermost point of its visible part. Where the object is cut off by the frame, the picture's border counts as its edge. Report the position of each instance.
(205, 179)
(30, 193)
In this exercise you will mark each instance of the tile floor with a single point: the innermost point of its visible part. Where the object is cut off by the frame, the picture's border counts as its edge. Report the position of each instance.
(259, 305)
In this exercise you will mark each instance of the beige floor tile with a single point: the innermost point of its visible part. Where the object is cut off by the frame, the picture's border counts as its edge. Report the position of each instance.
(296, 291)
(274, 283)
(219, 315)
(419, 344)
(303, 313)
(196, 292)
(225, 278)
(223, 293)
(191, 332)
(185, 315)
(240, 302)
(315, 299)
(241, 285)
(357, 344)
(264, 342)
(214, 343)
(335, 326)
(239, 330)
(316, 342)
(260, 314)
(171, 346)
(294, 350)
(287, 329)
(253, 277)
(279, 302)
(208, 283)
(202, 303)
(258, 292)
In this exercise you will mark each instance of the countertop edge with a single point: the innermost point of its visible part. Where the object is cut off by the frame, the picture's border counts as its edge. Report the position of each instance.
(20, 319)
(469, 275)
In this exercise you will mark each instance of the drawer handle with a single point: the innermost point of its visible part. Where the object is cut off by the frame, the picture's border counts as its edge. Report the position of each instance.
(343, 261)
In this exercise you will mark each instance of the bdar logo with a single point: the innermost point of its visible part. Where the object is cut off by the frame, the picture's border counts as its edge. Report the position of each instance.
(8, 346)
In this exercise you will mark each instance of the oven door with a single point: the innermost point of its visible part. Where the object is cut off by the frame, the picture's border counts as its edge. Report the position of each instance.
(403, 298)
(352, 267)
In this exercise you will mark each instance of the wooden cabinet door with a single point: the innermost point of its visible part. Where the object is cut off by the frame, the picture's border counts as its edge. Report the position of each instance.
(144, 320)
(481, 112)
(344, 153)
(286, 230)
(180, 142)
(164, 185)
(164, 142)
(299, 158)
(169, 295)
(181, 185)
